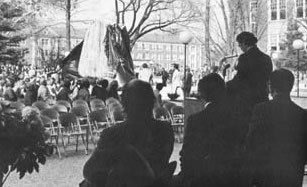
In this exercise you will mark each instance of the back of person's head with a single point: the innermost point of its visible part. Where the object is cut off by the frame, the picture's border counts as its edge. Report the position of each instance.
(176, 66)
(211, 87)
(159, 86)
(43, 82)
(85, 83)
(113, 85)
(138, 99)
(247, 38)
(144, 65)
(104, 83)
(282, 81)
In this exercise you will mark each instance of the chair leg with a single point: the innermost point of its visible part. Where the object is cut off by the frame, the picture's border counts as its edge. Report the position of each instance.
(84, 143)
(57, 146)
(63, 142)
(77, 143)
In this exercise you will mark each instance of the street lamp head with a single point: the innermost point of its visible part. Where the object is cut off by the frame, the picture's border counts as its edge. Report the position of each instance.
(185, 37)
(298, 44)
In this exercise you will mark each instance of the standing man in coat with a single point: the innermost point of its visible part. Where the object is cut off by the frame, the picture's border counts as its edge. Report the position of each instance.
(277, 138)
(253, 71)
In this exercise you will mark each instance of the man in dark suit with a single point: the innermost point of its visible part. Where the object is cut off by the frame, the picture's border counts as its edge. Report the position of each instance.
(253, 71)
(277, 138)
(210, 151)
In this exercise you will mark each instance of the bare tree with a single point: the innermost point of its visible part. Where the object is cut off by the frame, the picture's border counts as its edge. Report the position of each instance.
(228, 18)
(144, 16)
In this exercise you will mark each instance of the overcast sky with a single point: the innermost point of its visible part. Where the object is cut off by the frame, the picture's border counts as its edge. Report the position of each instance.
(96, 9)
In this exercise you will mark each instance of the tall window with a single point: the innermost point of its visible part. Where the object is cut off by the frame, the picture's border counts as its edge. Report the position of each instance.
(299, 8)
(273, 9)
(253, 16)
(282, 9)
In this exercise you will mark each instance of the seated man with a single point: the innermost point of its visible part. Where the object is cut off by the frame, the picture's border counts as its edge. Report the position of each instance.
(210, 149)
(152, 140)
(277, 138)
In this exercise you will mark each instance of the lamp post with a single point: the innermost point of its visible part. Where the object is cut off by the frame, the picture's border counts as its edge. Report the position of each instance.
(298, 45)
(185, 38)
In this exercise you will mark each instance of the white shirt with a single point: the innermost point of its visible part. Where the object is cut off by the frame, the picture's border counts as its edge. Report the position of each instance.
(145, 74)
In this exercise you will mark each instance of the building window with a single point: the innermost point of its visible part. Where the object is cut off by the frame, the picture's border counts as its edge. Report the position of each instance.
(282, 9)
(44, 41)
(135, 46)
(273, 9)
(143, 56)
(254, 28)
(143, 46)
(299, 8)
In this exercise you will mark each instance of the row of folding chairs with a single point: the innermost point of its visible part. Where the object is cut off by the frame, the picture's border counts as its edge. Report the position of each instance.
(63, 119)
(174, 114)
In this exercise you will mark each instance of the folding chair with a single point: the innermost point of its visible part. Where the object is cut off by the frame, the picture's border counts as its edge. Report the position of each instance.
(117, 116)
(60, 108)
(65, 103)
(162, 114)
(80, 102)
(41, 105)
(99, 121)
(97, 104)
(177, 113)
(82, 112)
(70, 126)
(111, 100)
(53, 133)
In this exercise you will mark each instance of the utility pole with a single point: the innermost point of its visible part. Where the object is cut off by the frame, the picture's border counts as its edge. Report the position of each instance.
(207, 33)
(68, 16)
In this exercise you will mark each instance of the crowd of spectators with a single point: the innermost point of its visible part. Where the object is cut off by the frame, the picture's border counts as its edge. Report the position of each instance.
(28, 84)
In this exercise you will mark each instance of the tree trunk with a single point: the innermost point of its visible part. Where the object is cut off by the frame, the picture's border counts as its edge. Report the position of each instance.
(116, 12)
(207, 33)
(68, 15)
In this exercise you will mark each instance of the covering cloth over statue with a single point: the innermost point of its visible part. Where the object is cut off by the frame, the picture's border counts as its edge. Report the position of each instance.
(93, 61)
(104, 52)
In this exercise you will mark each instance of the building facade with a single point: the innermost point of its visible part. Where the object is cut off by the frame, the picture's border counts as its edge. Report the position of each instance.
(165, 49)
(280, 13)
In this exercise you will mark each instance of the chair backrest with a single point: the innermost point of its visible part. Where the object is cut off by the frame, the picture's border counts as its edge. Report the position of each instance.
(60, 108)
(98, 107)
(67, 120)
(116, 106)
(79, 102)
(80, 111)
(111, 100)
(51, 113)
(41, 105)
(99, 116)
(65, 103)
(117, 116)
(96, 102)
(161, 113)
(47, 122)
